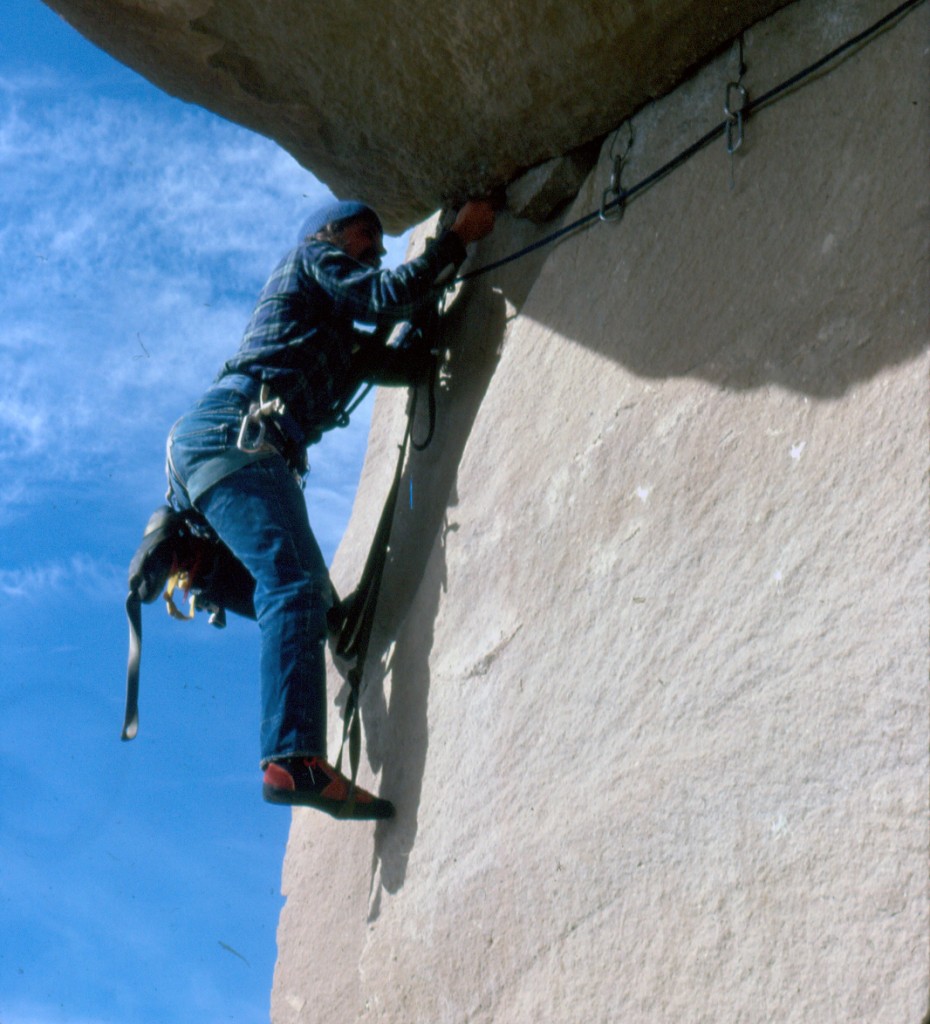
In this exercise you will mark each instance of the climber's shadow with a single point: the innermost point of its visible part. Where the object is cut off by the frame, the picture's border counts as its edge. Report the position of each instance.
(405, 735)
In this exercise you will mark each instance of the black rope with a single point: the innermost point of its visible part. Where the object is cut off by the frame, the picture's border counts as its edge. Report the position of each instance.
(363, 394)
(355, 630)
(751, 106)
(357, 612)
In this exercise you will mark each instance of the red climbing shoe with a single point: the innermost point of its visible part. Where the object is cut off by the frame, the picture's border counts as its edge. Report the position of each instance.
(311, 782)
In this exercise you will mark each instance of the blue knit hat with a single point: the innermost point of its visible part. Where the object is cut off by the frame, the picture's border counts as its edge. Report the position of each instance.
(336, 210)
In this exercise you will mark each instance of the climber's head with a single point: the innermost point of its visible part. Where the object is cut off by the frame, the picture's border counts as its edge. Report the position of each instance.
(350, 225)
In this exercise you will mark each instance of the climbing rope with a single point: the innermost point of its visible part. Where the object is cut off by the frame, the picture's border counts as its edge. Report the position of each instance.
(358, 616)
(353, 619)
(731, 127)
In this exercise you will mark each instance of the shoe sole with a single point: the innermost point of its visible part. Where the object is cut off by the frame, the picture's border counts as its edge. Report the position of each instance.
(377, 810)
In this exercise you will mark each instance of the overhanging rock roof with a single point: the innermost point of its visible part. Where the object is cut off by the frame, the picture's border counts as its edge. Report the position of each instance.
(411, 103)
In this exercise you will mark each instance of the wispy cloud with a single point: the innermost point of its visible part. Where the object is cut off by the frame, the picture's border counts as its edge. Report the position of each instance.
(80, 573)
(133, 245)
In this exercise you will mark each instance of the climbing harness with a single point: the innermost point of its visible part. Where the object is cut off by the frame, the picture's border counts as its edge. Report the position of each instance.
(734, 120)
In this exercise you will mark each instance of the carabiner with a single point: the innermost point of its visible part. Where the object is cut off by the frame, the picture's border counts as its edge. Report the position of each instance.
(253, 418)
(615, 190)
(265, 406)
(617, 194)
(735, 117)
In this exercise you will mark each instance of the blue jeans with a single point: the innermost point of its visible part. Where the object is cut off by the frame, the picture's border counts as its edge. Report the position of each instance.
(259, 512)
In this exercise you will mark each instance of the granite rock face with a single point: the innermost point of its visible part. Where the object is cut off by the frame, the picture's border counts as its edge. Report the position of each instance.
(409, 104)
(649, 685)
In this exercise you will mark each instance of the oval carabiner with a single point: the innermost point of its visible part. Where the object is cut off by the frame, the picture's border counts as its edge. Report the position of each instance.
(617, 204)
(252, 420)
(734, 118)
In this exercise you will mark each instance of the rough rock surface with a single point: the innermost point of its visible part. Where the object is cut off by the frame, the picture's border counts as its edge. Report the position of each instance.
(544, 189)
(409, 103)
(650, 680)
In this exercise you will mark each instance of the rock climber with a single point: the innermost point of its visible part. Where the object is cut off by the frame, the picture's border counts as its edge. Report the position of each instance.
(239, 458)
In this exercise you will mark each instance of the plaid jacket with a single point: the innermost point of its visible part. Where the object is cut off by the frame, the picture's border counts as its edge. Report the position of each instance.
(304, 338)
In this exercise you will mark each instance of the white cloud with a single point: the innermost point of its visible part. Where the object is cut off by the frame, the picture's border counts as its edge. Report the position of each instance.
(80, 573)
(133, 246)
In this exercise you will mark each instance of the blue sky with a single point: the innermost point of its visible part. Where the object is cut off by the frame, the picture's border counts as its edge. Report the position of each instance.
(138, 881)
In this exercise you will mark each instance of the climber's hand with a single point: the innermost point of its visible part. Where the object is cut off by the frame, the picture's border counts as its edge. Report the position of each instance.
(474, 221)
